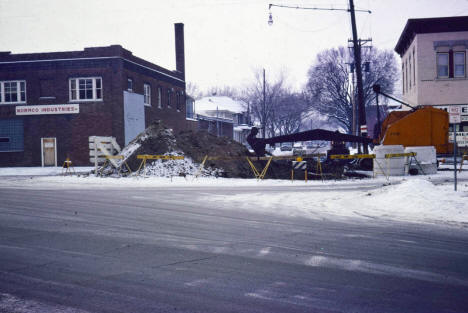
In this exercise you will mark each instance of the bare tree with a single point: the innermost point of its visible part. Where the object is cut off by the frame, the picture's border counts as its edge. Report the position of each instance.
(192, 90)
(329, 87)
(222, 91)
(282, 111)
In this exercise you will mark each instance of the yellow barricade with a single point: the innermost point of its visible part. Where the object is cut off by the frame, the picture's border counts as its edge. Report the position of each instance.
(145, 157)
(464, 157)
(265, 158)
(352, 156)
(160, 157)
(259, 175)
(67, 167)
(400, 155)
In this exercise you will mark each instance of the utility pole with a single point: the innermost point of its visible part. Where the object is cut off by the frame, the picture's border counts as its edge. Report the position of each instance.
(357, 56)
(357, 62)
(264, 107)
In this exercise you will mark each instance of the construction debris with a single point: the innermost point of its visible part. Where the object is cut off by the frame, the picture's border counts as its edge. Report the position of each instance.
(194, 146)
(226, 157)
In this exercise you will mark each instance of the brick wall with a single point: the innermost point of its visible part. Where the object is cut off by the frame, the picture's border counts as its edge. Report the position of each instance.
(98, 118)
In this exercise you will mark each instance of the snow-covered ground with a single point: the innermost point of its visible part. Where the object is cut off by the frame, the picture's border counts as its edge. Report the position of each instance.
(39, 171)
(420, 199)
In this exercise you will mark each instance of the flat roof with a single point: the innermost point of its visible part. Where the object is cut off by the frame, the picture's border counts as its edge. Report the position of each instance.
(90, 53)
(429, 25)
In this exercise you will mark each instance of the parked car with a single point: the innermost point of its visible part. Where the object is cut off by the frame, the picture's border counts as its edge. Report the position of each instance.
(270, 149)
(286, 146)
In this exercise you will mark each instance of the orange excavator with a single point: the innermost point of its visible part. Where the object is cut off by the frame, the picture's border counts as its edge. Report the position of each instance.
(419, 126)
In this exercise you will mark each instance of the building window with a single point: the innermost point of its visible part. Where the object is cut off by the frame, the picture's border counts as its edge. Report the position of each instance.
(130, 84)
(169, 97)
(159, 97)
(459, 64)
(414, 69)
(12, 135)
(147, 94)
(86, 89)
(406, 75)
(13, 91)
(403, 75)
(178, 101)
(442, 65)
(409, 62)
(189, 108)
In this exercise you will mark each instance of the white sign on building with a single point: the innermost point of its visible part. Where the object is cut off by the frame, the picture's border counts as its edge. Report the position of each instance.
(454, 114)
(48, 109)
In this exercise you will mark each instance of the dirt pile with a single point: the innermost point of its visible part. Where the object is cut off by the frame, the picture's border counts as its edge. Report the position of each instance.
(229, 156)
(194, 146)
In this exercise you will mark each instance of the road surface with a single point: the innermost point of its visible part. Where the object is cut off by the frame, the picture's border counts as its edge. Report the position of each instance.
(164, 250)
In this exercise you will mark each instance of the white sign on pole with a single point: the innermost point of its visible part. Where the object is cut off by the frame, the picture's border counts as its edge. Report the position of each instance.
(454, 114)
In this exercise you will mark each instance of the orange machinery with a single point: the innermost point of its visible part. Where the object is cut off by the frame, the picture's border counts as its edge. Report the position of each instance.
(424, 126)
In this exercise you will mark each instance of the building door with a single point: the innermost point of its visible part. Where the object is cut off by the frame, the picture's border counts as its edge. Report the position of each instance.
(134, 115)
(49, 151)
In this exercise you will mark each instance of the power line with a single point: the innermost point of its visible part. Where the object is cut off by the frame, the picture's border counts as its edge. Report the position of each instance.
(313, 8)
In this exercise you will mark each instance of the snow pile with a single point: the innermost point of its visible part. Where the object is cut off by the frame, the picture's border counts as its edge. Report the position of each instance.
(185, 167)
(421, 199)
(413, 200)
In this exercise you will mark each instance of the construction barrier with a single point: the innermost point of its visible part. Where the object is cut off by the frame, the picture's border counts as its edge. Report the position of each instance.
(145, 157)
(464, 157)
(68, 168)
(299, 164)
(352, 156)
(259, 175)
(409, 158)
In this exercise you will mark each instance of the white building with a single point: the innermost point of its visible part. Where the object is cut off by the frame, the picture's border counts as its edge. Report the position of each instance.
(433, 56)
(226, 109)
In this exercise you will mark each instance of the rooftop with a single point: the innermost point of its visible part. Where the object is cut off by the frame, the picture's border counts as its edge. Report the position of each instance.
(220, 103)
(106, 52)
(429, 25)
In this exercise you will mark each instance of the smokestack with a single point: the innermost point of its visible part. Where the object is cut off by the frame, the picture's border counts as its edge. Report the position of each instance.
(179, 48)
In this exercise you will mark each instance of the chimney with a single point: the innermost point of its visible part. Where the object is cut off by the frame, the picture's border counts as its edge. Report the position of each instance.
(179, 48)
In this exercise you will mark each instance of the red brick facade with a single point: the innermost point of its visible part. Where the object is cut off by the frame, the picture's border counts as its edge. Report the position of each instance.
(47, 77)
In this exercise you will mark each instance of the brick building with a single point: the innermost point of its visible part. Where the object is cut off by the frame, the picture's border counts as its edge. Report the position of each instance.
(53, 102)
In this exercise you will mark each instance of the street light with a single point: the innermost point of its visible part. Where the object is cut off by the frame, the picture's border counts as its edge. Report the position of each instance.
(270, 17)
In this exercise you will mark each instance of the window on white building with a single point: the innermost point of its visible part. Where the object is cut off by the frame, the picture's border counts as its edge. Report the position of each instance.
(442, 65)
(459, 64)
(403, 75)
(406, 74)
(85, 89)
(13, 91)
(147, 94)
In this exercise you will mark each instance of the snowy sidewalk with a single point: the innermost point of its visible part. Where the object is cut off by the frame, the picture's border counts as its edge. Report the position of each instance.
(38, 171)
(419, 199)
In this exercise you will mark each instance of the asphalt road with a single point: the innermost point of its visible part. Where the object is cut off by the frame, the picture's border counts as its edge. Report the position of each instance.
(162, 250)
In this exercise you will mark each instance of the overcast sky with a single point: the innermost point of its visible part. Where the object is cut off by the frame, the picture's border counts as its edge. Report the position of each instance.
(225, 40)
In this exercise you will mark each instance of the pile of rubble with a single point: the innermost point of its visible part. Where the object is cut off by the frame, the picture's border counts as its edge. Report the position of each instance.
(194, 146)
